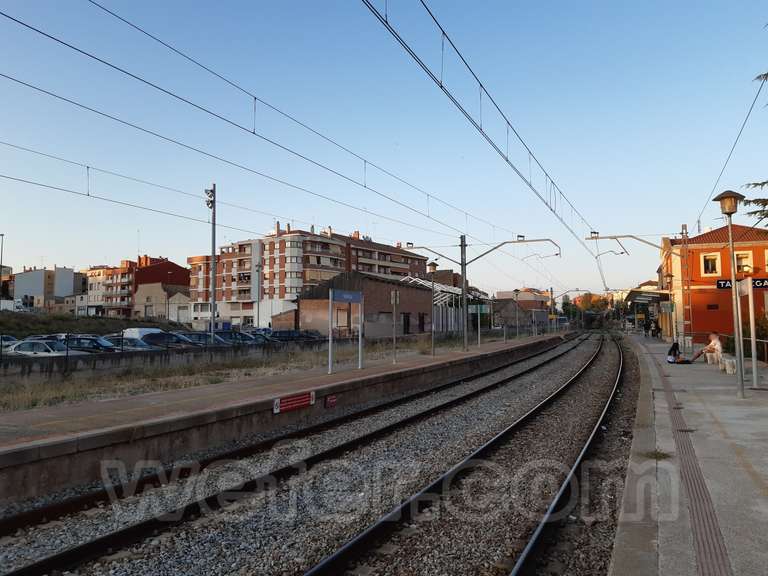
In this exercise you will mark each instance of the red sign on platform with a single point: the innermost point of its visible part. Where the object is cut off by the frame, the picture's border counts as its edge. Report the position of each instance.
(330, 401)
(294, 402)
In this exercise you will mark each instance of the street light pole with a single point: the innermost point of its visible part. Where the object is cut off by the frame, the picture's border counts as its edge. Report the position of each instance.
(517, 314)
(432, 268)
(729, 202)
(2, 246)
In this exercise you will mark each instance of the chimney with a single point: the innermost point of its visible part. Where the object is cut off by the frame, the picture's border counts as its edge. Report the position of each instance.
(399, 245)
(277, 227)
(312, 229)
(356, 234)
(288, 227)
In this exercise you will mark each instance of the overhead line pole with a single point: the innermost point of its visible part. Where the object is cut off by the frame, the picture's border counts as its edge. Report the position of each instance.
(211, 203)
(463, 262)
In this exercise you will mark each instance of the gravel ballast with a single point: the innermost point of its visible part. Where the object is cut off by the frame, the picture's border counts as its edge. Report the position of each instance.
(488, 517)
(582, 544)
(46, 539)
(288, 529)
(12, 507)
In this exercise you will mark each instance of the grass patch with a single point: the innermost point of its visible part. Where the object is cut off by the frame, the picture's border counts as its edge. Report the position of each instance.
(26, 393)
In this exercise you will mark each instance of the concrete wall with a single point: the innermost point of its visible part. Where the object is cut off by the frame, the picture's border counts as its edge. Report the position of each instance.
(30, 370)
(51, 465)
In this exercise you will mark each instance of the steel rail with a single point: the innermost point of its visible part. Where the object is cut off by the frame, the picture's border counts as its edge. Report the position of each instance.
(123, 537)
(527, 556)
(178, 471)
(339, 561)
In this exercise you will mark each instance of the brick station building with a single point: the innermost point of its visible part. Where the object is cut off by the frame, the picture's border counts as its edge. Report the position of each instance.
(705, 260)
(413, 311)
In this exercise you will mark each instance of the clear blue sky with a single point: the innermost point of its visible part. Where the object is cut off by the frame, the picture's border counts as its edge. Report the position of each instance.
(631, 106)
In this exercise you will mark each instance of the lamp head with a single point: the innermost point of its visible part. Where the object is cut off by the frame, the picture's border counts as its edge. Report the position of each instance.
(432, 267)
(729, 201)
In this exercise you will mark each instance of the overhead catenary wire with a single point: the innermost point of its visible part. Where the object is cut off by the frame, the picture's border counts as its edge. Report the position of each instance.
(124, 203)
(217, 157)
(763, 79)
(253, 132)
(91, 167)
(222, 159)
(238, 86)
(230, 122)
(470, 118)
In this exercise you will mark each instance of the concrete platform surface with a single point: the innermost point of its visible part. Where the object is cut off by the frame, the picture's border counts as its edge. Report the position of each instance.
(63, 421)
(696, 495)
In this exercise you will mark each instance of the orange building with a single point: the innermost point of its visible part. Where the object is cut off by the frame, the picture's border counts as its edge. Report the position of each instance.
(697, 272)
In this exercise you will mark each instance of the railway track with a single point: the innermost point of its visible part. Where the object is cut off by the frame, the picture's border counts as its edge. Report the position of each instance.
(178, 471)
(407, 539)
(124, 536)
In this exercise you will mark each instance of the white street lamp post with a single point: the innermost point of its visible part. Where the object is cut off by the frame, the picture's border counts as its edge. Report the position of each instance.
(729, 202)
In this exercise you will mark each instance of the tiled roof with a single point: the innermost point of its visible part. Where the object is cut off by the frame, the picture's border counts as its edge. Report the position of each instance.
(720, 235)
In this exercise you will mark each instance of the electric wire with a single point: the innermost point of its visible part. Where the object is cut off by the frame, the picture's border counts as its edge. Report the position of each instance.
(217, 157)
(477, 125)
(124, 203)
(292, 118)
(145, 182)
(733, 147)
(231, 122)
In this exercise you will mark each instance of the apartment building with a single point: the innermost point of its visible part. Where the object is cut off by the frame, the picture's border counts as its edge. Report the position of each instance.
(258, 279)
(40, 287)
(238, 285)
(119, 283)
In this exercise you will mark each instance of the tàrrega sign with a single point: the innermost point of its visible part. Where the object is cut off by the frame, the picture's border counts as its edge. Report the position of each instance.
(756, 283)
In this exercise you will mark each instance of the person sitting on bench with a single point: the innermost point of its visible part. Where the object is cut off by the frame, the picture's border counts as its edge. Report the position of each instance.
(714, 346)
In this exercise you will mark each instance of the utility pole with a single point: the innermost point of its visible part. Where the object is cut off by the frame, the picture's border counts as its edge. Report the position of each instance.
(463, 246)
(211, 203)
(2, 246)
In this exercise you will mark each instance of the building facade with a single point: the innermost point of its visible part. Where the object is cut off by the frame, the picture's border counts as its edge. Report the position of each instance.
(158, 301)
(259, 279)
(696, 273)
(120, 283)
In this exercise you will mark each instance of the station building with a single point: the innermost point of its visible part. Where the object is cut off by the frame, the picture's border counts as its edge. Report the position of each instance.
(695, 275)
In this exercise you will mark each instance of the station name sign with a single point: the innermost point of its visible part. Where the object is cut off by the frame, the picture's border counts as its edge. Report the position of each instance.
(756, 283)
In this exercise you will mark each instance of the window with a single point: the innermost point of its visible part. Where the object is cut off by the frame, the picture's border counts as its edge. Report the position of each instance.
(743, 261)
(293, 244)
(710, 264)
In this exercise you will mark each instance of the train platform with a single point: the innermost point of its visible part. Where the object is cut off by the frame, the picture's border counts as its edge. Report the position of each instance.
(69, 420)
(696, 495)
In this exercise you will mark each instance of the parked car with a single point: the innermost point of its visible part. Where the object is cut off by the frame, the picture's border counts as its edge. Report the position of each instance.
(168, 340)
(204, 338)
(159, 338)
(238, 338)
(7, 340)
(43, 348)
(297, 335)
(286, 335)
(91, 344)
(266, 339)
(125, 344)
(59, 337)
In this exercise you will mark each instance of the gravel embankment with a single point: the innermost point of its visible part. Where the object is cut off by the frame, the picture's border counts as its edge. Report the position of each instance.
(485, 522)
(46, 539)
(582, 544)
(287, 530)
